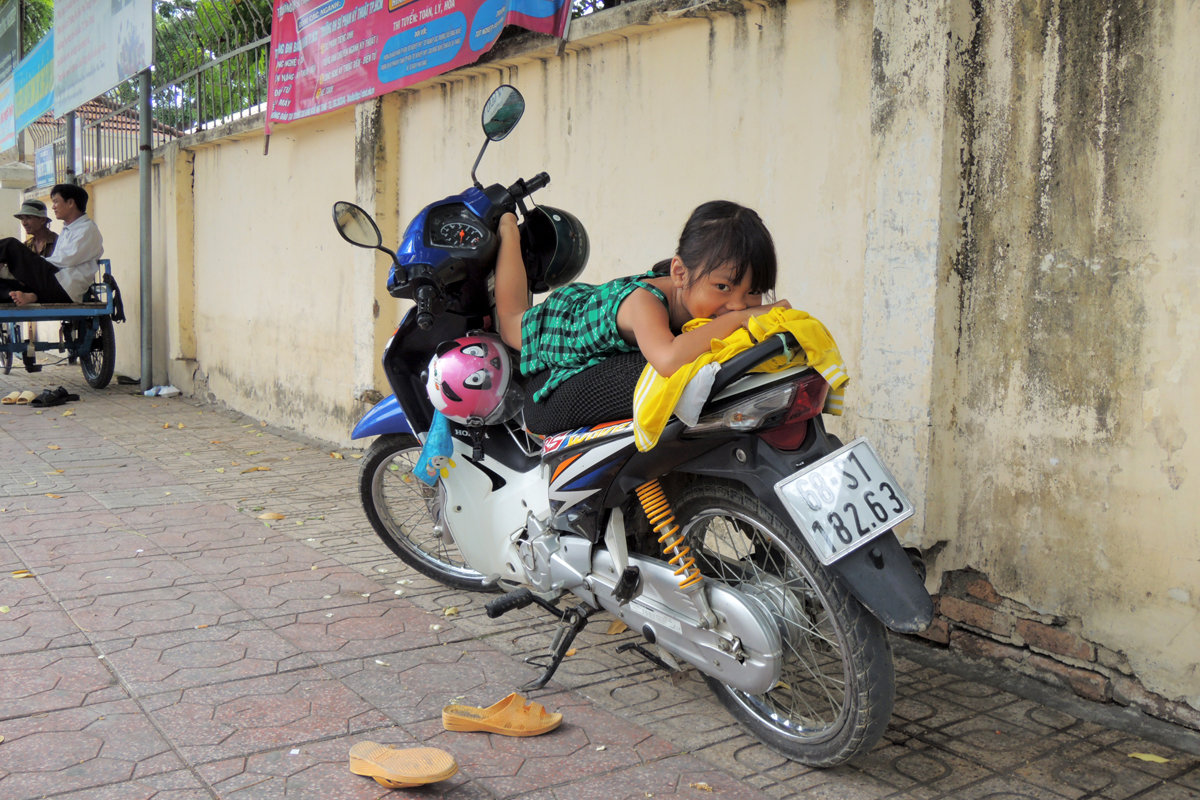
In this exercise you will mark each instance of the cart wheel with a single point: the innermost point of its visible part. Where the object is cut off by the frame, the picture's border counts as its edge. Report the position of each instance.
(98, 365)
(10, 333)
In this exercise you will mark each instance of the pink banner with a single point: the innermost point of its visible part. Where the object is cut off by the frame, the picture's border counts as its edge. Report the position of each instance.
(326, 54)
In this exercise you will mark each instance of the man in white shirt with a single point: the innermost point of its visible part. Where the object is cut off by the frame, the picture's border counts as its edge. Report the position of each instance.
(65, 274)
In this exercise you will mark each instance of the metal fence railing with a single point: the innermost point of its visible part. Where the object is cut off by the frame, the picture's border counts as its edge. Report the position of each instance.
(210, 68)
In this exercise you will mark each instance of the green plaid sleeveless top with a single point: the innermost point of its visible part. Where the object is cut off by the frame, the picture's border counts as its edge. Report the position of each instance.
(575, 327)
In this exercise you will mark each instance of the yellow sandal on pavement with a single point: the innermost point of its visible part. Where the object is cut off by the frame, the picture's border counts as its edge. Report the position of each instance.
(512, 716)
(401, 767)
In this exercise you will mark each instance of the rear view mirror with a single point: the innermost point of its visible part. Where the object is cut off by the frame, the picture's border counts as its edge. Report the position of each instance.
(502, 112)
(356, 225)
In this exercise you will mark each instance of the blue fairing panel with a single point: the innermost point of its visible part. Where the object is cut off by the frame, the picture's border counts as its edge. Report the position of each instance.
(385, 417)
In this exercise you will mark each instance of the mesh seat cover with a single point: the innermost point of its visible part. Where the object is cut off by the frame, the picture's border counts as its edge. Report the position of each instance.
(602, 393)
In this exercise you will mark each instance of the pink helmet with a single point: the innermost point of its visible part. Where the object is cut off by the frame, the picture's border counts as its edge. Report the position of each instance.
(470, 378)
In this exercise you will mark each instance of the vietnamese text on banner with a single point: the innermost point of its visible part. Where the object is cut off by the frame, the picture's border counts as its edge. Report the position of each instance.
(327, 54)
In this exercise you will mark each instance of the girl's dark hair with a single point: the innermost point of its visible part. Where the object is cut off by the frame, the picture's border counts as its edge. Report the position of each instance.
(721, 232)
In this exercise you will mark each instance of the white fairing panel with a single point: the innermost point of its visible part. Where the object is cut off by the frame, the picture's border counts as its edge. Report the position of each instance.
(484, 522)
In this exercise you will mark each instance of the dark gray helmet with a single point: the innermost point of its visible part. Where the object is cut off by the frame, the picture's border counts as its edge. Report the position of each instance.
(555, 247)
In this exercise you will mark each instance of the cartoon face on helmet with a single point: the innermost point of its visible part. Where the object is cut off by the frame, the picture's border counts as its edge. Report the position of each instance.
(469, 379)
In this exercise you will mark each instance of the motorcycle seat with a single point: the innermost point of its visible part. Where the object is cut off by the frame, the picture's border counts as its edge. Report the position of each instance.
(603, 393)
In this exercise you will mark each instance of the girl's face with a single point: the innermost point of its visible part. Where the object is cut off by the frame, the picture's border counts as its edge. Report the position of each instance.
(713, 294)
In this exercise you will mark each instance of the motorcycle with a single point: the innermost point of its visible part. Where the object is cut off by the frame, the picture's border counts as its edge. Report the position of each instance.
(751, 545)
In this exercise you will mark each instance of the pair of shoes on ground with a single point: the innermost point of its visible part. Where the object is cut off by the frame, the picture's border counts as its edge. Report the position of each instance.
(18, 398)
(400, 768)
(50, 397)
(161, 391)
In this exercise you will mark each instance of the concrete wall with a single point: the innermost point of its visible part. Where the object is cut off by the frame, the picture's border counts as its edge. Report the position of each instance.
(991, 206)
(1065, 450)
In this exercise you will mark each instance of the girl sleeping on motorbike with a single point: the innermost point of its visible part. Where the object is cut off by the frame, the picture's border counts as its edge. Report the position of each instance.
(723, 266)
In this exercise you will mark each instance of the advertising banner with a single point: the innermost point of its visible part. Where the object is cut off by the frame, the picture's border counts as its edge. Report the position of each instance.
(10, 37)
(8, 121)
(100, 44)
(34, 81)
(43, 166)
(326, 54)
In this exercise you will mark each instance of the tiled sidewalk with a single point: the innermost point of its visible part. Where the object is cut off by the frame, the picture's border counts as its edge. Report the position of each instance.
(173, 644)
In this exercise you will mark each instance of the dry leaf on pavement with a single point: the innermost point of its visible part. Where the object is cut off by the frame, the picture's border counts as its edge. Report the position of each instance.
(1149, 757)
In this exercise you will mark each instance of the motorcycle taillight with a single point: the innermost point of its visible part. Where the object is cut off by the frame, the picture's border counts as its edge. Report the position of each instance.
(790, 431)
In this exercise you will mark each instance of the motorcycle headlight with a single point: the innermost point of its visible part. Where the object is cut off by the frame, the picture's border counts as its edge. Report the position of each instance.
(749, 414)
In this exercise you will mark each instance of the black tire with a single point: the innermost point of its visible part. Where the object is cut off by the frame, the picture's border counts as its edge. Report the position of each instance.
(837, 687)
(404, 513)
(98, 364)
(8, 330)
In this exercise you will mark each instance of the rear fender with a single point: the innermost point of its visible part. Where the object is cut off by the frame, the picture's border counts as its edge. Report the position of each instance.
(385, 417)
(880, 574)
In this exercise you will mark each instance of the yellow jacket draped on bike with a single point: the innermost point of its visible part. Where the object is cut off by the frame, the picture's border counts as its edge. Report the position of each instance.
(656, 398)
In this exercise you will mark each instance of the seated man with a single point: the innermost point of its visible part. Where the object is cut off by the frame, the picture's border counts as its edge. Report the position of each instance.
(36, 222)
(65, 274)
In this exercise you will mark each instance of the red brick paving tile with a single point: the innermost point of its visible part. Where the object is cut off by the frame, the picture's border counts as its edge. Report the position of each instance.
(15, 590)
(205, 536)
(416, 684)
(248, 716)
(74, 548)
(254, 560)
(130, 574)
(128, 614)
(320, 770)
(71, 750)
(49, 680)
(20, 525)
(324, 587)
(357, 631)
(181, 785)
(202, 656)
(65, 504)
(36, 624)
(677, 777)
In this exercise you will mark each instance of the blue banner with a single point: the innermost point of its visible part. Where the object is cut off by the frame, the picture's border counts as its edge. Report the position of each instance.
(34, 81)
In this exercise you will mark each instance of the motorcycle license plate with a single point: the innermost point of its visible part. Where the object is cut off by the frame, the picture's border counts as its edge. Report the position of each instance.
(844, 500)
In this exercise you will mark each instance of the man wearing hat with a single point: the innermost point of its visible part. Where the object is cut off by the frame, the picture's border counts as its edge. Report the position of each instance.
(66, 273)
(36, 222)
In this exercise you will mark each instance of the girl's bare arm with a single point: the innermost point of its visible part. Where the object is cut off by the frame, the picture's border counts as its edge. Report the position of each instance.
(512, 286)
(644, 315)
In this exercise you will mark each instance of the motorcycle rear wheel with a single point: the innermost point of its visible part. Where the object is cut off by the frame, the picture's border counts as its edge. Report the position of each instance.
(835, 693)
(405, 512)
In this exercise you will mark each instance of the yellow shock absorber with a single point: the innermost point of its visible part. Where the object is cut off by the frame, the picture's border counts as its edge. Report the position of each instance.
(662, 520)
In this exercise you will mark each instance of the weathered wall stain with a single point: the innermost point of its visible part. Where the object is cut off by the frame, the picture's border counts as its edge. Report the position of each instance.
(1059, 108)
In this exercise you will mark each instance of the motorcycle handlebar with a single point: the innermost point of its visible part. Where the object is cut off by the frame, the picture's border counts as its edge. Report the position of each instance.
(524, 188)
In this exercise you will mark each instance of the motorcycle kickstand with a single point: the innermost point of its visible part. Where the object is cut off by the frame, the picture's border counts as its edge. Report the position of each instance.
(646, 654)
(572, 622)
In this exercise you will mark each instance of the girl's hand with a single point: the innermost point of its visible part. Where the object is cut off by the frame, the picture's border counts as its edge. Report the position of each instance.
(763, 309)
(508, 226)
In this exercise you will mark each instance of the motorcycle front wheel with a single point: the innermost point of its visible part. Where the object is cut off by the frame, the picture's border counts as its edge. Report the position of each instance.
(836, 689)
(407, 513)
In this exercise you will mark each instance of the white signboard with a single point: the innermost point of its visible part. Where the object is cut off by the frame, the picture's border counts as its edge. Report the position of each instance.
(44, 169)
(98, 44)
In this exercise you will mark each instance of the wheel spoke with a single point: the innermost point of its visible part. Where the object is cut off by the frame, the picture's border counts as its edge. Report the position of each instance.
(811, 694)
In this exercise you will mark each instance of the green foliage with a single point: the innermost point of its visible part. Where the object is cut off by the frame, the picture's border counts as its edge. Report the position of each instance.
(37, 17)
(191, 34)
